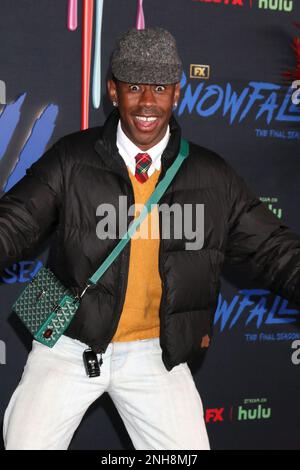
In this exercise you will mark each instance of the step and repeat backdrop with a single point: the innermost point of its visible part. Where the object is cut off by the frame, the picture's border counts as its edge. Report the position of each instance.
(240, 97)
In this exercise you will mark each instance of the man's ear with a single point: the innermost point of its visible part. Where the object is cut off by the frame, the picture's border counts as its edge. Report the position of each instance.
(177, 92)
(112, 90)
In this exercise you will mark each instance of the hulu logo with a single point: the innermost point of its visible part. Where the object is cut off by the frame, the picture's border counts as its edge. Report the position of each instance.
(277, 212)
(281, 5)
(268, 201)
(254, 413)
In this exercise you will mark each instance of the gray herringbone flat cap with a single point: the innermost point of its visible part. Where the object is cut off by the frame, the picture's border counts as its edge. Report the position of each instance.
(147, 56)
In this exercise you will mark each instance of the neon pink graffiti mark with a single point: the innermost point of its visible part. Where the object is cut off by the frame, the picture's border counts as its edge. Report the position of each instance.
(87, 30)
(140, 18)
(72, 22)
(294, 74)
(96, 87)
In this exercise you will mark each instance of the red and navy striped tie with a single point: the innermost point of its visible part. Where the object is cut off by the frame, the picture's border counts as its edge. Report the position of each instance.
(143, 162)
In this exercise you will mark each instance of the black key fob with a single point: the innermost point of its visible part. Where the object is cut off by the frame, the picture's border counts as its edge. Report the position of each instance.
(91, 363)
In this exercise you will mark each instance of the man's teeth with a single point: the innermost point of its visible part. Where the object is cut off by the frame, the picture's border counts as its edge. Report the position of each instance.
(144, 118)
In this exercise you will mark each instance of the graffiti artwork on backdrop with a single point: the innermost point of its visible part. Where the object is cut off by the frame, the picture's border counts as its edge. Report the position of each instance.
(266, 100)
(91, 9)
(294, 74)
(262, 103)
(262, 315)
(13, 164)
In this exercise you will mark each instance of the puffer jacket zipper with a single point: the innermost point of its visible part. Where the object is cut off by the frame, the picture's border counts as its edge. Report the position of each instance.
(123, 276)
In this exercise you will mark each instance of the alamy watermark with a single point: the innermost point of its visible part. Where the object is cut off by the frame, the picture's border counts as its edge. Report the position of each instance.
(296, 354)
(296, 93)
(2, 353)
(186, 221)
(2, 92)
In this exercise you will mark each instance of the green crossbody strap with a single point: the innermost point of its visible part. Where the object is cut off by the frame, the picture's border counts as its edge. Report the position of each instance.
(153, 199)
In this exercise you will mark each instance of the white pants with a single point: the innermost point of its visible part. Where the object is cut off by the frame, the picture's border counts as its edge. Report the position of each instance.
(160, 409)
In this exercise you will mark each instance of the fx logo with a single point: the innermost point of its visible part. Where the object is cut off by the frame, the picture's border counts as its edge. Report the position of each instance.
(2, 92)
(199, 71)
(214, 415)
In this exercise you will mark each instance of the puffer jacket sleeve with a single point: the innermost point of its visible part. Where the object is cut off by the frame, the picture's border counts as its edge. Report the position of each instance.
(258, 237)
(29, 211)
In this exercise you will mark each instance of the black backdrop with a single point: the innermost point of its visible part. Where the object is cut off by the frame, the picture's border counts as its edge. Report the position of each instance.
(249, 379)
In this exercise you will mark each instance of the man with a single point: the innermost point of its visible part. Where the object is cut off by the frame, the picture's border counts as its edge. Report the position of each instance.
(153, 308)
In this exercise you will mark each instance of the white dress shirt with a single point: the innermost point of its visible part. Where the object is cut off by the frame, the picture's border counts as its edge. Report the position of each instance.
(128, 150)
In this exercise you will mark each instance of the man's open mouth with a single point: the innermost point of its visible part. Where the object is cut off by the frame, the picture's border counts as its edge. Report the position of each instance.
(146, 123)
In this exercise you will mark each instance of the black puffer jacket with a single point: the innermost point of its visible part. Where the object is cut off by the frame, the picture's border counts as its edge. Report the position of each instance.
(60, 195)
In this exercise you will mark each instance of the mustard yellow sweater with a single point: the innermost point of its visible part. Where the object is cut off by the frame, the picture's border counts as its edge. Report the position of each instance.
(140, 314)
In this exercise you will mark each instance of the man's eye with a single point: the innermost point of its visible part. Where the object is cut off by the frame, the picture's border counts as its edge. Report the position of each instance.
(134, 87)
(160, 88)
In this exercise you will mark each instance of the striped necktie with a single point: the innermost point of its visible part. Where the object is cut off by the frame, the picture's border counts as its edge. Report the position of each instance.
(143, 162)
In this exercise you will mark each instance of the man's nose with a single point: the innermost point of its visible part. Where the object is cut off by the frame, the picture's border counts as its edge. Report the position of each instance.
(147, 97)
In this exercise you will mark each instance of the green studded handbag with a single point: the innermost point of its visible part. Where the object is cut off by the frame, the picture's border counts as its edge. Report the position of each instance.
(47, 307)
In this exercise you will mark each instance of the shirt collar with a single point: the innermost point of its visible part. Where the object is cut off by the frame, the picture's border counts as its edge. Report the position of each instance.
(128, 150)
